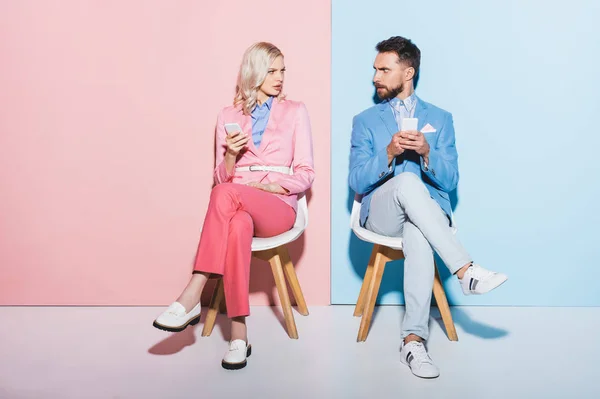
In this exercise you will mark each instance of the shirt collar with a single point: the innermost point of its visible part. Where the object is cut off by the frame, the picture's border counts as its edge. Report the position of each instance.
(266, 104)
(409, 102)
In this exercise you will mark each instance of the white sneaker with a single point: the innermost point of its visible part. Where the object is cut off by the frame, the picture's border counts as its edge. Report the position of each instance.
(175, 318)
(415, 356)
(477, 280)
(235, 358)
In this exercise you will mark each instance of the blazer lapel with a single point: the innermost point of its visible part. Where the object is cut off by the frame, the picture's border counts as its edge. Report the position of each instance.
(274, 114)
(421, 113)
(386, 115)
(245, 122)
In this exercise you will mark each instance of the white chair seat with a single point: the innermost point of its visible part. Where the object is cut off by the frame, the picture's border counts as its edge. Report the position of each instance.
(368, 235)
(262, 244)
(374, 238)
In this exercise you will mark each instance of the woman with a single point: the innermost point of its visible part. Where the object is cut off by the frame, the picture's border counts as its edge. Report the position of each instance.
(254, 194)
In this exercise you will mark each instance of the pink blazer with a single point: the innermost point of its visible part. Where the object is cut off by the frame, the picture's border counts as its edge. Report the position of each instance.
(287, 141)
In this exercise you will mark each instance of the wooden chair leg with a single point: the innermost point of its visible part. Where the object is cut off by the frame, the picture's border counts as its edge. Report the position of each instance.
(284, 298)
(213, 309)
(362, 296)
(442, 304)
(373, 289)
(223, 305)
(292, 278)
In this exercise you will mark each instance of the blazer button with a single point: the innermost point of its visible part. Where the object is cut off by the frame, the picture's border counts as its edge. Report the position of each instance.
(381, 174)
(433, 172)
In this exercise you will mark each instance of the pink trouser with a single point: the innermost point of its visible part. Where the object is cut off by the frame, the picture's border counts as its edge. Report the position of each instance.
(236, 213)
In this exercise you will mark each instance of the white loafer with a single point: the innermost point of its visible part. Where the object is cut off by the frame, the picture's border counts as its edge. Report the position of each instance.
(175, 319)
(235, 358)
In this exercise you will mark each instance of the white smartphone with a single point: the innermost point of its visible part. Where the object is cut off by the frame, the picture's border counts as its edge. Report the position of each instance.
(232, 127)
(410, 124)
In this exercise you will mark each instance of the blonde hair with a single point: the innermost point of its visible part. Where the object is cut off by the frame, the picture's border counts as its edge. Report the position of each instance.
(253, 71)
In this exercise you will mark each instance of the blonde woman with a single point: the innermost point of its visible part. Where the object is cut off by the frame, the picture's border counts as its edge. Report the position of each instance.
(254, 193)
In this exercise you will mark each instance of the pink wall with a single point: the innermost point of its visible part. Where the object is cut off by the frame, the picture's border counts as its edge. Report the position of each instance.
(107, 113)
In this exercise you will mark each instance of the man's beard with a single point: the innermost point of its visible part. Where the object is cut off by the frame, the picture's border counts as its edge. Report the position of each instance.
(389, 94)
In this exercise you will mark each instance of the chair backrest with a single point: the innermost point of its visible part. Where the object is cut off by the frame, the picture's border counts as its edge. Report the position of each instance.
(355, 215)
(302, 208)
(302, 212)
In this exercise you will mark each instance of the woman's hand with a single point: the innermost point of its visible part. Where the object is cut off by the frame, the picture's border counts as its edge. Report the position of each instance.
(235, 142)
(270, 187)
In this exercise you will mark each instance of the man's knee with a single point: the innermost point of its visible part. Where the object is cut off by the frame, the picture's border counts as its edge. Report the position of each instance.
(408, 179)
(408, 182)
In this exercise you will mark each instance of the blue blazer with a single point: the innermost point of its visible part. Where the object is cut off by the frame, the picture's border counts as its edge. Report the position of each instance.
(372, 131)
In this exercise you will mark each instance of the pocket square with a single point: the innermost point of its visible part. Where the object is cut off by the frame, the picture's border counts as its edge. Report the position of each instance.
(428, 129)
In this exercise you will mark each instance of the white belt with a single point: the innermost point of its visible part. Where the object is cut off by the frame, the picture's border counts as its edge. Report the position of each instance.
(264, 168)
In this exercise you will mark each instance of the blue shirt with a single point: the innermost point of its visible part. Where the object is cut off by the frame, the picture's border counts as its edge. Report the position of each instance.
(405, 109)
(260, 118)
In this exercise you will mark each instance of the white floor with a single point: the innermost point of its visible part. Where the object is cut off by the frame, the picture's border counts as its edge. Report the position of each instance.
(77, 352)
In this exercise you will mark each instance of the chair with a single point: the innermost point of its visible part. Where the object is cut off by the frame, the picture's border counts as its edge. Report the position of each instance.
(273, 250)
(387, 249)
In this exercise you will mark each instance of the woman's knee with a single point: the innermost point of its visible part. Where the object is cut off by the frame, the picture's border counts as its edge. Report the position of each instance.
(241, 223)
(222, 190)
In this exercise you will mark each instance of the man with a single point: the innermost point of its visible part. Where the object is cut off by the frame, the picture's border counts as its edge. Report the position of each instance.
(405, 177)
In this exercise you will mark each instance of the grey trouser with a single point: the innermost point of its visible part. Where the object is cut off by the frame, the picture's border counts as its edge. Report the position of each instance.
(403, 207)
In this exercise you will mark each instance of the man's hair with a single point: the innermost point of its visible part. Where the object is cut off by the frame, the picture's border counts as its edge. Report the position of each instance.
(406, 51)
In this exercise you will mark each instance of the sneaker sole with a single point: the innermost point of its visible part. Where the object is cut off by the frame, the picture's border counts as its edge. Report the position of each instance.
(191, 322)
(425, 378)
(420, 376)
(485, 292)
(240, 365)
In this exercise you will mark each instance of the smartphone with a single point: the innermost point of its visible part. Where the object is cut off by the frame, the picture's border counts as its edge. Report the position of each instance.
(232, 127)
(410, 124)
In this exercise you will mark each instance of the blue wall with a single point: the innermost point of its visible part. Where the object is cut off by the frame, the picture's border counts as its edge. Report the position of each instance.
(521, 80)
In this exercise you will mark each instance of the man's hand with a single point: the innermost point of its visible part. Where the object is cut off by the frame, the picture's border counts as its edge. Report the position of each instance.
(394, 148)
(414, 140)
